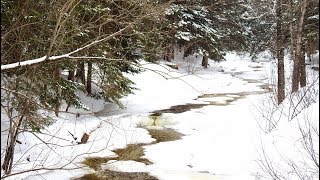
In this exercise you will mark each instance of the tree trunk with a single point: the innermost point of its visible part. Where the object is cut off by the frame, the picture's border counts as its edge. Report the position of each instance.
(168, 53)
(58, 91)
(292, 48)
(81, 73)
(71, 75)
(302, 66)
(165, 56)
(204, 62)
(89, 78)
(171, 52)
(280, 54)
(12, 137)
(297, 57)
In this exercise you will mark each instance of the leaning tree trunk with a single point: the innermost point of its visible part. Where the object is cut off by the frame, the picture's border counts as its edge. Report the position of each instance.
(12, 137)
(297, 58)
(280, 54)
(89, 78)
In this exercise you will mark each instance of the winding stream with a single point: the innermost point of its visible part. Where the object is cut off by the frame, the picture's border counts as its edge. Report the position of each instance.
(162, 134)
(217, 99)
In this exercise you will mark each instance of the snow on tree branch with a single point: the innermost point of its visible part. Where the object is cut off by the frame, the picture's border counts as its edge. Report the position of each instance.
(68, 55)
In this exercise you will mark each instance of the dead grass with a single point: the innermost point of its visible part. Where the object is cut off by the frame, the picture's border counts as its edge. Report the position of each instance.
(89, 177)
(132, 152)
(115, 175)
(95, 162)
(164, 135)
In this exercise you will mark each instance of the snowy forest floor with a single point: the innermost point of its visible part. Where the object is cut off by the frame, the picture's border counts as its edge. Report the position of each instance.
(190, 123)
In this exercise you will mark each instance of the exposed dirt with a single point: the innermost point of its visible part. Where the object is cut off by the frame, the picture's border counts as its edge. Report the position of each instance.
(115, 175)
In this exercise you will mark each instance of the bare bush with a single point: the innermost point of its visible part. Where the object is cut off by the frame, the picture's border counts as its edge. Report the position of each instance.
(294, 155)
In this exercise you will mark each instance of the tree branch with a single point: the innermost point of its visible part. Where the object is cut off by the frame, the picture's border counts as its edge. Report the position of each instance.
(68, 55)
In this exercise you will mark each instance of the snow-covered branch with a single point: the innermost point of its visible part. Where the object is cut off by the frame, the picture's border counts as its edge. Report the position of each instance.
(23, 63)
(68, 55)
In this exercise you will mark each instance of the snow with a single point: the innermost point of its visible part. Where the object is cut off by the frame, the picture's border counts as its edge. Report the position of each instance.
(125, 166)
(315, 58)
(216, 99)
(24, 63)
(226, 147)
(184, 35)
(219, 142)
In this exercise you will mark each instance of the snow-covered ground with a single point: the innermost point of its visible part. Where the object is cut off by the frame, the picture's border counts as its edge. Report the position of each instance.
(221, 141)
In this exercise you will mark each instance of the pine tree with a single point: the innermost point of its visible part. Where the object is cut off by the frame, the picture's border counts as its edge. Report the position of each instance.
(206, 27)
(260, 23)
(103, 36)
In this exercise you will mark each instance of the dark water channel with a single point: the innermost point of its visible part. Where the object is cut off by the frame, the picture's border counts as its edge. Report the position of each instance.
(208, 99)
(205, 98)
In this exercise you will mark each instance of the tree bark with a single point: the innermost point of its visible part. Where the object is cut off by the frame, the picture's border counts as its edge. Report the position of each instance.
(71, 75)
(58, 91)
(169, 53)
(302, 66)
(280, 54)
(89, 78)
(297, 58)
(81, 73)
(204, 62)
(12, 137)
(292, 48)
(172, 54)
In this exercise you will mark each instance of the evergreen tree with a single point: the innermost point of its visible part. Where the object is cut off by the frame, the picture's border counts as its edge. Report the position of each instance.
(207, 27)
(260, 22)
(69, 36)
